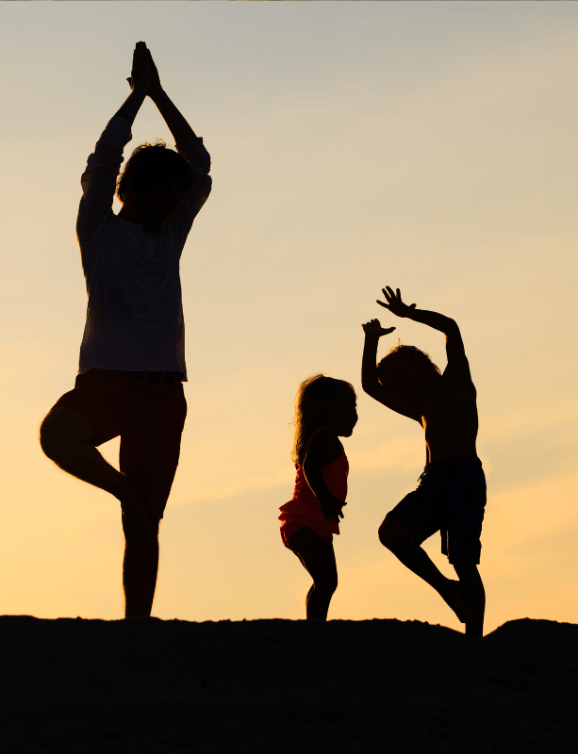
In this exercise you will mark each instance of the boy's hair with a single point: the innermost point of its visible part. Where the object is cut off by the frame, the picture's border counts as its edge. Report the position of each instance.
(153, 166)
(316, 396)
(404, 352)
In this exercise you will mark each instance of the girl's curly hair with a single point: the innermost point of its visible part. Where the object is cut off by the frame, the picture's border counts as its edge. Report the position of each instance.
(316, 396)
(153, 166)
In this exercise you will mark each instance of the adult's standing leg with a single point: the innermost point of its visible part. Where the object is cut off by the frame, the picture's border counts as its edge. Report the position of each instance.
(149, 455)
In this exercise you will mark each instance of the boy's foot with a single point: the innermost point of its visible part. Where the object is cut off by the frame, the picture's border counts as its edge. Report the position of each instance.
(453, 597)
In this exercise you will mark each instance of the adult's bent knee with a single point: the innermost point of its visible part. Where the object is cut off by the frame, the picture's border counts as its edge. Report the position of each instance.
(62, 428)
(49, 437)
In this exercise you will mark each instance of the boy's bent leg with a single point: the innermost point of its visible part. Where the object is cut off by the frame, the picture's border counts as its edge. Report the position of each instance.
(398, 539)
(69, 439)
(473, 591)
(317, 556)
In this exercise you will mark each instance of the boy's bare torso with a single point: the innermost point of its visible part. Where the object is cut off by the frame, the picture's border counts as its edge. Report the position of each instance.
(443, 404)
(449, 416)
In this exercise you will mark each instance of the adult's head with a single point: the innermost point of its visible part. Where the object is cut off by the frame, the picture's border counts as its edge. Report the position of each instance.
(408, 371)
(153, 183)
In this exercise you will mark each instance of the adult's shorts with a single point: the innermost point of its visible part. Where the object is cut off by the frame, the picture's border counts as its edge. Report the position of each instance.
(149, 417)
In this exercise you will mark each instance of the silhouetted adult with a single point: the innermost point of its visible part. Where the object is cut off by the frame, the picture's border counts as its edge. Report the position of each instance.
(132, 356)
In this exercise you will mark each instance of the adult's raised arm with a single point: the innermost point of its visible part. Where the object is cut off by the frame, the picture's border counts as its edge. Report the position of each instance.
(175, 120)
(140, 83)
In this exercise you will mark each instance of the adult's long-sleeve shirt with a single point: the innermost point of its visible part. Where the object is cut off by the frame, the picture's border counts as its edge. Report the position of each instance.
(134, 319)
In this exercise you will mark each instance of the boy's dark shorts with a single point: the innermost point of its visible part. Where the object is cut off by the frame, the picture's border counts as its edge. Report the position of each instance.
(450, 498)
(148, 417)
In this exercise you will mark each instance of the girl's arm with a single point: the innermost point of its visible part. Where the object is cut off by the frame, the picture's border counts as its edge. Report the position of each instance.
(323, 450)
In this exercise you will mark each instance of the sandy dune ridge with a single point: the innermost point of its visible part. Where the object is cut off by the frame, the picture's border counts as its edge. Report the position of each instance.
(81, 686)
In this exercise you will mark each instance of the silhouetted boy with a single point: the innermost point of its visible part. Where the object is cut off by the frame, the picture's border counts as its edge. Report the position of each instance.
(451, 494)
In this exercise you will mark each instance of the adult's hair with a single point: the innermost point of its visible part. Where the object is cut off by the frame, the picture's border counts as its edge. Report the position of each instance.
(316, 396)
(153, 166)
(397, 353)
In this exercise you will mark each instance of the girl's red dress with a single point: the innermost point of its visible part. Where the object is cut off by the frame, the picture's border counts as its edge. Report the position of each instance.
(305, 510)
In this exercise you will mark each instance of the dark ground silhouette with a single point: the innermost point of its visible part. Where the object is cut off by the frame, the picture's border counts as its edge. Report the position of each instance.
(147, 685)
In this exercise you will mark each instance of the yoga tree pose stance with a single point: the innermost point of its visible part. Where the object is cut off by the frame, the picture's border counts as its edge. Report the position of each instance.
(132, 356)
(451, 494)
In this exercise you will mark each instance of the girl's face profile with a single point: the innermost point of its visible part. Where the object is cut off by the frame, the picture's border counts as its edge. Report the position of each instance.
(344, 415)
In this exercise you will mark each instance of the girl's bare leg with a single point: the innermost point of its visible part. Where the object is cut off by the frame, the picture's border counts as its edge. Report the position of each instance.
(317, 556)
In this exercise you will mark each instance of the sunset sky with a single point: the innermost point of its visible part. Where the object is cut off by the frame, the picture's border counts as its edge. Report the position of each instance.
(427, 146)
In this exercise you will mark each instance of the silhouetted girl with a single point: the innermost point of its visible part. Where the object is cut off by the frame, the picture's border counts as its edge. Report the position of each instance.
(325, 409)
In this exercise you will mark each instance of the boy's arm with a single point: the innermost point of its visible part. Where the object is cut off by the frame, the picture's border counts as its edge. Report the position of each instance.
(369, 379)
(455, 350)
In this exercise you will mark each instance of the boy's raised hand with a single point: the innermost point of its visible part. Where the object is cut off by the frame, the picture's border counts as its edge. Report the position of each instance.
(373, 327)
(395, 304)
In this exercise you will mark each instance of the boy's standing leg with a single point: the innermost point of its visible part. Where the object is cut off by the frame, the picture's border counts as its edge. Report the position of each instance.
(472, 589)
